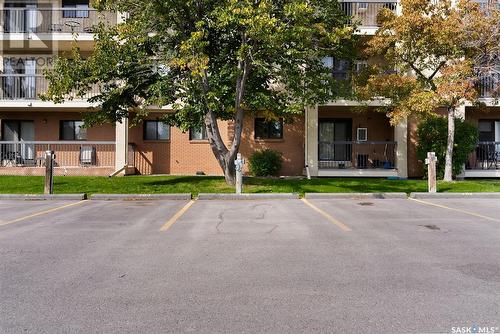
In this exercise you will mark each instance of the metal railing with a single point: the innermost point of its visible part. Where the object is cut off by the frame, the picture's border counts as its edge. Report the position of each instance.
(68, 153)
(489, 86)
(358, 155)
(485, 156)
(53, 20)
(365, 13)
(29, 87)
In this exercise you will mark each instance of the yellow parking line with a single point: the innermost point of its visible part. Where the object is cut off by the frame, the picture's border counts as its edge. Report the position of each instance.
(175, 217)
(457, 210)
(339, 224)
(40, 213)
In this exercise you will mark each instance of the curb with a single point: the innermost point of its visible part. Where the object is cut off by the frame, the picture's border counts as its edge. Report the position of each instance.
(34, 197)
(454, 195)
(356, 195)
(207, 196)
(139, 197)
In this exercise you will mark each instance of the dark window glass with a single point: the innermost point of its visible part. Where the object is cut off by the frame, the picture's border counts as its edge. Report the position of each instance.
(156, 130)
(72, 130)
(79, 5)
(198, 133)
(268, 129)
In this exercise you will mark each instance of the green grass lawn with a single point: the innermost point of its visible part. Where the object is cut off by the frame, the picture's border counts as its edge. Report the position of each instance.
(198, 184)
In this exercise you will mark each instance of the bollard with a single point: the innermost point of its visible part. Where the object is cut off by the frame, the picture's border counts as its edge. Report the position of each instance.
(238, 163)
(431, 171)
(49, 173)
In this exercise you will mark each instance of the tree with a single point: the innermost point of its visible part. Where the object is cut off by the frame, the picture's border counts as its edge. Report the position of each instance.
(430, 61)
(208, 60)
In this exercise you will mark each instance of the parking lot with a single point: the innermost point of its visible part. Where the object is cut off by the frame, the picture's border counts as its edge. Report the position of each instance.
(317, 265)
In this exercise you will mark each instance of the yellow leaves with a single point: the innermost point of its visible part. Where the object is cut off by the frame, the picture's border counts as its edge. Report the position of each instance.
(455, 83)
(191, 54)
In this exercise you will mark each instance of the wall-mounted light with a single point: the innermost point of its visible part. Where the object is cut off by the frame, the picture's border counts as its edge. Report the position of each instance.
(44, 121)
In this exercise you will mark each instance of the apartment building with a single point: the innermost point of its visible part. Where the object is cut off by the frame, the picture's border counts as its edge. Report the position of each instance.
(333, 139)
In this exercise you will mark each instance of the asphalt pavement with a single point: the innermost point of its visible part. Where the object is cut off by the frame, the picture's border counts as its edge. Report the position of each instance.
(250, 266)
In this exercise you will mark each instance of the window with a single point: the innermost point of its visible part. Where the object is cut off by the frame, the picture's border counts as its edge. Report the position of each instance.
(81, 5)
(156, 130)
(268, 129)
(362, 134)
(198, 133)
(72, 130)
(339, 67)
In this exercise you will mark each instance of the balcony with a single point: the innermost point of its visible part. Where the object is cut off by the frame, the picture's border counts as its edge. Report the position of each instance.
(365, 13)
(489, 86)
(485, 157)
(345, 155)
(52, 20)
(22, 87)
(72, 158)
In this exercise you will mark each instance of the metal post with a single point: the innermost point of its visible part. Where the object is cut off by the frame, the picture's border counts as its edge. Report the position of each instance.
(431, 171)
(238, 163)
(49, 172)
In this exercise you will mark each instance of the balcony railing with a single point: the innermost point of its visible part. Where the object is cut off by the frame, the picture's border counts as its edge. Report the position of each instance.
(29, 87)
(489, 86)
(365, 13)
(52, 20)
(68, 153)
(358, 155)
(485, 156)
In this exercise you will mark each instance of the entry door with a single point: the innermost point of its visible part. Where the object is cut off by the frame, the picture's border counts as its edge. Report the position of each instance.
(20, 131)
(334, 138)
(20, 17)
(29, 82)
(489, 131)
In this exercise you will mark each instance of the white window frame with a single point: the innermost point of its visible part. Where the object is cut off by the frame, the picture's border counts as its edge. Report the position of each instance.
(359, 133)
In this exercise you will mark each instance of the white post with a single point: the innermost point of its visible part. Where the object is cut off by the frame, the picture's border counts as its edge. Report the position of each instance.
(238, 163)
(431, 171)
(121, 138)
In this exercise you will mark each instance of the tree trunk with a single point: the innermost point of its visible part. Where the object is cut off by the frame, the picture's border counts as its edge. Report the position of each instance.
(230, 170)
(224, 157)
(448, 167)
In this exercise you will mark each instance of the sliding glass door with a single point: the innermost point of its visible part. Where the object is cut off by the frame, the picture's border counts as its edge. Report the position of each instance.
(335, 137)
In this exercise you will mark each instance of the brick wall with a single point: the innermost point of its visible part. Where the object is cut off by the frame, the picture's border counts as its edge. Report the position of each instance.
(291, 146)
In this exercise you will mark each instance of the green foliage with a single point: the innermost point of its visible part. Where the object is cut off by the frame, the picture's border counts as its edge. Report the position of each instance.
(207, 55)
(433, 135)
(265, 163)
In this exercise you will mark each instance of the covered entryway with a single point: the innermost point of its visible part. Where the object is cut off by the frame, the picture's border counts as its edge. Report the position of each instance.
(342, 141)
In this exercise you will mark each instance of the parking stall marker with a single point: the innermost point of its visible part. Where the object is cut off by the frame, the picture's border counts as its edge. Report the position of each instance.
(41, 213)
(453, 209)
(339, 224)
(175, 217)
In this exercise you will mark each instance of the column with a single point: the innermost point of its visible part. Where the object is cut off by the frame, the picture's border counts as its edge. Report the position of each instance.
(311, 130)
(401, 137)
(121, 139)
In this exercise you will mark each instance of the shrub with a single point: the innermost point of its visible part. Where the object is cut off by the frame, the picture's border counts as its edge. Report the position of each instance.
(433, 136)
(265, 163)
